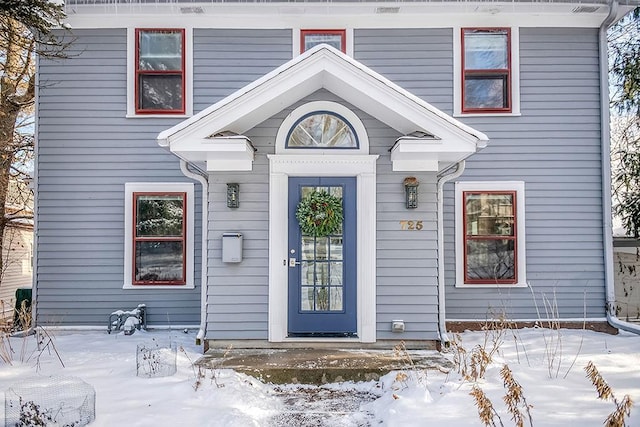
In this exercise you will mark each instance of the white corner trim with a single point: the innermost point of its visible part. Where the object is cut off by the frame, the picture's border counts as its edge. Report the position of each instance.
(363, 167)
(334, 107)
(131, 75)
(519, 188)
(515, 76)
(133, 187)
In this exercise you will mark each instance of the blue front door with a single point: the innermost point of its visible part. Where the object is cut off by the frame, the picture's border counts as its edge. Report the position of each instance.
(322, 270)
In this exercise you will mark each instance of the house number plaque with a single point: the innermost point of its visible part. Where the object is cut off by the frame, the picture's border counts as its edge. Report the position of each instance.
(410, 225)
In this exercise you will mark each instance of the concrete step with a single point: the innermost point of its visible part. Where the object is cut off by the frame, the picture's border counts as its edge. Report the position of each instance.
(320, 366)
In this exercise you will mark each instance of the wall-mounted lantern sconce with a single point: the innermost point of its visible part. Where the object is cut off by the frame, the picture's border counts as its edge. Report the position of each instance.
(233, 195)
(411, 192)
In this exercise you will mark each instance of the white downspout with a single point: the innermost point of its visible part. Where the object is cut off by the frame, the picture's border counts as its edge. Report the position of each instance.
(184, 167)
(443, 179)
(607, 228)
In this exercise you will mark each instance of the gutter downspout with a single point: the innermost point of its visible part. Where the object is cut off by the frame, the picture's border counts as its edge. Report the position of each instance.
(443, 179)
(607, 228)
(202, 179)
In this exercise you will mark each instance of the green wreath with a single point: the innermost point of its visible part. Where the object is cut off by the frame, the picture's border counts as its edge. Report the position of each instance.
(319, 214)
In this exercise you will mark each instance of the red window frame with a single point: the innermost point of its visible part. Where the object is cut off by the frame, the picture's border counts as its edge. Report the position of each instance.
(341, 33)
(466, 237)
(139, 72)
(137, 239)
(506, 72)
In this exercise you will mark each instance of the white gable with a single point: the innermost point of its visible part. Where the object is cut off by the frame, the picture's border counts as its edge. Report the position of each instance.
(322, 67)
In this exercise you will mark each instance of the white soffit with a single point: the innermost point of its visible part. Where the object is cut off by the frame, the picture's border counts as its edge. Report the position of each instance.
(322, 67)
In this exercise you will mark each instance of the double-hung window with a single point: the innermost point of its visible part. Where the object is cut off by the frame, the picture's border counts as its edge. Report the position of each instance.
(486, 71)
(159, 234)
(490, 233)
(334, 38)
(160, 71)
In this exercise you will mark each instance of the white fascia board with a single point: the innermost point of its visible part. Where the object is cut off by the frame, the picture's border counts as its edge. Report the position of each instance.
(252, 95)
(321, 67)
(396, 94)
(339, 15)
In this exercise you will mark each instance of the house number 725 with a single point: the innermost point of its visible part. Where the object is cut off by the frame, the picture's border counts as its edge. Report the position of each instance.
(411, 225)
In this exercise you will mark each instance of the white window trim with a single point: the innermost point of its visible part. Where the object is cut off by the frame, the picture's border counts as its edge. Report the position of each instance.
(348, 35)
(131, 75)
(518, 187)
(334, 107)
(137, 187)
(515, 75)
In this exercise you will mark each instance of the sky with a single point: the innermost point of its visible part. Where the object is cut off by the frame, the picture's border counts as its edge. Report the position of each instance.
(548, 365)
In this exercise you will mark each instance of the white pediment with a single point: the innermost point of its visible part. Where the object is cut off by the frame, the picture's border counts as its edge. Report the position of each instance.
(322, 67)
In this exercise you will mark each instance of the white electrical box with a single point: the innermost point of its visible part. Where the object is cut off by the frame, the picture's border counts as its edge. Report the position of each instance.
(232, 247)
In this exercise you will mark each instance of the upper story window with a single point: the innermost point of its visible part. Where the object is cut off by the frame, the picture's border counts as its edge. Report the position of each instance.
(160, 71)
(322, 129)
(334, 38)
(158, 235)
(490, 233)
(486, 70)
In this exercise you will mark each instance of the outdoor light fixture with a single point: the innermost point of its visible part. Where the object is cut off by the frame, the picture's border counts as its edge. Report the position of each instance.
(233, 195)
(411, 192)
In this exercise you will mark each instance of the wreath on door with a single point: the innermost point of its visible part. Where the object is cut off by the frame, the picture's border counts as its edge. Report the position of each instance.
(319, 214)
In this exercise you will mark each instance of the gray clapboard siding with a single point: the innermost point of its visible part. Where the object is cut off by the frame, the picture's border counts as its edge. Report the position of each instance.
(88, 150)
(419, 60)
(555, 148)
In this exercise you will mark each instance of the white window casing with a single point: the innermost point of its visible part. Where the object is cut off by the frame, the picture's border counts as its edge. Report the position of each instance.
(148, 187)
(131, 75)
(515, 76)
(519, 188)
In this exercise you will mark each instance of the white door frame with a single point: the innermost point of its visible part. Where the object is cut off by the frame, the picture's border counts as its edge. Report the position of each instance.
(281, 167)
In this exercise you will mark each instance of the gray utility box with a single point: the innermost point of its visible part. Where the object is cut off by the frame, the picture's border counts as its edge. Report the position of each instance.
(232, 247)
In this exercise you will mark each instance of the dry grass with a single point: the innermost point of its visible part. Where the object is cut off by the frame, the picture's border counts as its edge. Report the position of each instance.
(623, 407)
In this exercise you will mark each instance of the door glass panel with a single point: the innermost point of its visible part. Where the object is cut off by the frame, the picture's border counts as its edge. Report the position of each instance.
(307, 273)
(335, 279)
(308, 247)
(322, 248)
(307, 298)
(335, 248)
(322, 275)
(336, 298)
(322, 298)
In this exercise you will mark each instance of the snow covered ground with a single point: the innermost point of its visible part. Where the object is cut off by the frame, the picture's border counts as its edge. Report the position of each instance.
(559, 393)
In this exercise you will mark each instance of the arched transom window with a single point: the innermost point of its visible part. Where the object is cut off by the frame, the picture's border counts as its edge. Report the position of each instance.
(322, 129)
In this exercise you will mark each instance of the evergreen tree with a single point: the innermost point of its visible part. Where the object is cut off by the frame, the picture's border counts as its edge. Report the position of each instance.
(624, 65)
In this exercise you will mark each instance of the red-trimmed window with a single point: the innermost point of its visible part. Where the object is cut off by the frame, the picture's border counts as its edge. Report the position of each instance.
(490, 237)
(160, 71)
(159, 242)
(486, 70)
(334, 38)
